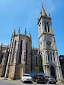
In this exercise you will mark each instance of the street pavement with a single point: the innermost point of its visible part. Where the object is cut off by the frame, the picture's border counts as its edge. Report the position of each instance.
(18, 82)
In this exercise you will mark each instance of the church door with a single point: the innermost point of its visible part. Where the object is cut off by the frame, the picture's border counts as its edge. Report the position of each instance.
(53, 73)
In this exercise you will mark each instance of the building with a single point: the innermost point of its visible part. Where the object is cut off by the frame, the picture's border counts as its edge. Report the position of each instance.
(61, 58)
(4, 53)
(47, 46)
(20, 56)
(23, 58)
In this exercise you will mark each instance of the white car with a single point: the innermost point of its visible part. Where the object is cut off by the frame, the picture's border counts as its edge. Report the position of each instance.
(26, 77)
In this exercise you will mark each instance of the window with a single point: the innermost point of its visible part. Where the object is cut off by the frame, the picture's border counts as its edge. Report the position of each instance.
(45, 26)
(26, 53)
(20, 52)
(1, 57)
(54, 56)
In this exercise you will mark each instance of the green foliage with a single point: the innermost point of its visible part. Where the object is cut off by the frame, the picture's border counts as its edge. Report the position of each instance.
(5, 79)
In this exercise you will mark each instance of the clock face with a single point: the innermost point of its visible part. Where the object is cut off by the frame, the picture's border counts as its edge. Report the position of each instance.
(49, 43)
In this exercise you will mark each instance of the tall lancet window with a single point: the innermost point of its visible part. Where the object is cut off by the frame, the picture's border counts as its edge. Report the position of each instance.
(20, 53)
(48, 26)
(54, 56)
(45, 26)
(26, 53)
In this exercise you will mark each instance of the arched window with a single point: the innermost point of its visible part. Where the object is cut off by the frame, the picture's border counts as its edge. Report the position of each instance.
(48, 27)
(51, 56)
(26, 53)
(54, 56)
(45, 26)
(20, 52)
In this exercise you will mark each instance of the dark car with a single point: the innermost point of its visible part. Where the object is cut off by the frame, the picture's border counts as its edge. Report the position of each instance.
(34, 78)
(39, 79)
(50, 79)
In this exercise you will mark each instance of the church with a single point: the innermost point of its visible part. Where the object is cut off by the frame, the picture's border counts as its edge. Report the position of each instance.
(22, 58)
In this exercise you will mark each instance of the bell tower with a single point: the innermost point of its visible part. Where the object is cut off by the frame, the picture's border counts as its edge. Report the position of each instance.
(47, 46)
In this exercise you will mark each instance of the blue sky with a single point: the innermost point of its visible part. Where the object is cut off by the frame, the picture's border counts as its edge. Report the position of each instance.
(25, 13)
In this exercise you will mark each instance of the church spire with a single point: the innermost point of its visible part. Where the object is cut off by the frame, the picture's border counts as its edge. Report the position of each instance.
(29, 34)
(14, 33)
(19, 31)
(25, 31)
(43, 12)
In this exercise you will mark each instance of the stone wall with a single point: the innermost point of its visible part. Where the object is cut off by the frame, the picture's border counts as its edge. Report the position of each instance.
(18, 71)
(36, 69)
(26, 68)
(10, 71)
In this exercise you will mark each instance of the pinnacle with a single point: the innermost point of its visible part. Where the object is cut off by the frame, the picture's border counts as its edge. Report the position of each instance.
(43, 11)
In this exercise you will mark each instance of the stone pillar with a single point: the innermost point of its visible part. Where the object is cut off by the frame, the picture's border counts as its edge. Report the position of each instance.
(7, 67)
(47, 70)
(15, 57)
(52, 57)
(59, 73)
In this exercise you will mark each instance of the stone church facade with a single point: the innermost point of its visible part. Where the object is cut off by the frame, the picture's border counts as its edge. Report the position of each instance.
(22, 58)
(47, 46)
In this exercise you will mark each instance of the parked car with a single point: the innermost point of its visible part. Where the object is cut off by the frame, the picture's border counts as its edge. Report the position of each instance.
(26, 77)
(50, 79)
(34, 78)
(39, 78)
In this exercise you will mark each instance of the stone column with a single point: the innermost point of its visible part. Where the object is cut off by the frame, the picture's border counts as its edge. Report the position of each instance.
(59, 73)
(15, 57)
(52, 57)
(14, 64)
(47, 70)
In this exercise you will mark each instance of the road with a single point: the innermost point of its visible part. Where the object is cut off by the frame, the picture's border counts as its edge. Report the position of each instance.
(8, 82)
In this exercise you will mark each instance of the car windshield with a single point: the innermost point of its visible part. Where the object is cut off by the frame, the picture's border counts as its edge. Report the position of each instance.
(26, 75)
(51, 77)
(46, 76)
(40, 75)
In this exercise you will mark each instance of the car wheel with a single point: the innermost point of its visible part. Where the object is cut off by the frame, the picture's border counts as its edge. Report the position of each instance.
(48, 82)
(36, 81)
(54, 82)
